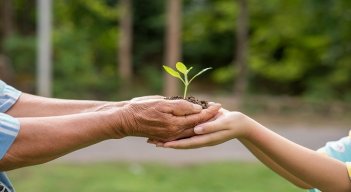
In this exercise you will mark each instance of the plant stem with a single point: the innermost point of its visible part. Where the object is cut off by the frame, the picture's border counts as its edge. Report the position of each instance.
(185, 84)
(185, 90)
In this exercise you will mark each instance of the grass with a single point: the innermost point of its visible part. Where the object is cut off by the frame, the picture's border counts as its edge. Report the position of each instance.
(124, 177)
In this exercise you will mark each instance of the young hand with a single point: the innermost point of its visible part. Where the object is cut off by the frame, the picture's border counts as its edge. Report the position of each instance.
(223, 127)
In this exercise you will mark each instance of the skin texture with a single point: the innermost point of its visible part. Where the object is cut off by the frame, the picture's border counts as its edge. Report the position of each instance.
(35, 106)
(149, 119)
(301, 166)
(51, 128)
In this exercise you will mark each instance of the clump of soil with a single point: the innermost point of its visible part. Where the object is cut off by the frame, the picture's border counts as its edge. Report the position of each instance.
(192, 99)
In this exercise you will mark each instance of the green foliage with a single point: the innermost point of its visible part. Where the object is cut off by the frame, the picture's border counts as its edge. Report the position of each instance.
(85, 40)
(151, 79)
(148, 33)
(208, 32)
(223, 177)
(184, 70)
(22, 53)
(224, 75)
(296, 47)
(299, 42)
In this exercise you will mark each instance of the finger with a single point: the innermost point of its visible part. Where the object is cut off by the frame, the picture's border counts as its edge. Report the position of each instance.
(203, 116)
(220, 113)
(198, 141)
(210, 126)
(179, 107)
(186, 133)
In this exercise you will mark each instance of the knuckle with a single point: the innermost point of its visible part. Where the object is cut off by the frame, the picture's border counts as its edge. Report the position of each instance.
(191, 121)
(162, 106)
(173, 129)
(181, 103)
(237, 115)
(207, 115)
(177, 121)
(194, 123)
(212, 110)
(199, 119)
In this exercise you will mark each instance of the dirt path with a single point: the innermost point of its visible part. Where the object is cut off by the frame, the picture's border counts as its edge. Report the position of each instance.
(137, 150)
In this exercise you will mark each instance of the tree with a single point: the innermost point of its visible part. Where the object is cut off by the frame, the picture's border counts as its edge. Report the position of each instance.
(44, 76)
(7, 15)
(241, 49)
(6, 72)
(173, 43)
(8, 29)
(125, 40)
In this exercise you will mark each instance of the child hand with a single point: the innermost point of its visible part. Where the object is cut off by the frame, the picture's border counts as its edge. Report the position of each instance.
(225, 126)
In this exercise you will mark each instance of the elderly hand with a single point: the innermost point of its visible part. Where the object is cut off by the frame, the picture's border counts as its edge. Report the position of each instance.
(225, 126)
(163, 120)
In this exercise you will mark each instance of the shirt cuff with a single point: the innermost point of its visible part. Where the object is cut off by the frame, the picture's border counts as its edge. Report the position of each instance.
(9, 128)
(8, 97)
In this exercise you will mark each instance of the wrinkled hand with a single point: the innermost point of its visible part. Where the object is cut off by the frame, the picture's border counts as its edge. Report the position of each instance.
(223, 127)
(163, 120)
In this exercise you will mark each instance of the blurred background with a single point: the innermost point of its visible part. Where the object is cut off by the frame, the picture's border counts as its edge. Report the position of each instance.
(285, 63)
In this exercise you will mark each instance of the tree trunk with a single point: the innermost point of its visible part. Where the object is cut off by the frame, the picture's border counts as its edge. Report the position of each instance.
(125, 41)
(7, 18)
(6, 21)
(44, 52)
(7, 26)
(173, 44)
(6, 71)
(240, 63)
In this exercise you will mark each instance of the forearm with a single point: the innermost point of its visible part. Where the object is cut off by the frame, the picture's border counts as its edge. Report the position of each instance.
(36, 106)
(46, 138)
(273, 165)
(319, 171)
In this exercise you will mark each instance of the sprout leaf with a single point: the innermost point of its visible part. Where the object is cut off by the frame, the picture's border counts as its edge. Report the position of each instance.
(172, 72)
(199, 73)
(181, 67)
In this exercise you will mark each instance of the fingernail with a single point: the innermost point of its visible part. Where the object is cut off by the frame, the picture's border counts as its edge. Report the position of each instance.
(197, 107)
(198, 130)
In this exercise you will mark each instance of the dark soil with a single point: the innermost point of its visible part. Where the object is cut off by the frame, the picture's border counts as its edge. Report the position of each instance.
(192, 99)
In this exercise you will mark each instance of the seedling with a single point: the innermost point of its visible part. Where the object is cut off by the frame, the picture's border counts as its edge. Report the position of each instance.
(184, 70)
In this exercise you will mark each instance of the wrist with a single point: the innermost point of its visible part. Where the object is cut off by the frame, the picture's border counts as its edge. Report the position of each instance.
(251, 129)
(113, 120)
(241, 125)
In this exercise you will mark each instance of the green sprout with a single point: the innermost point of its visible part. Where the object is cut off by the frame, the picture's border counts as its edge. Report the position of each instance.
(184, 70)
